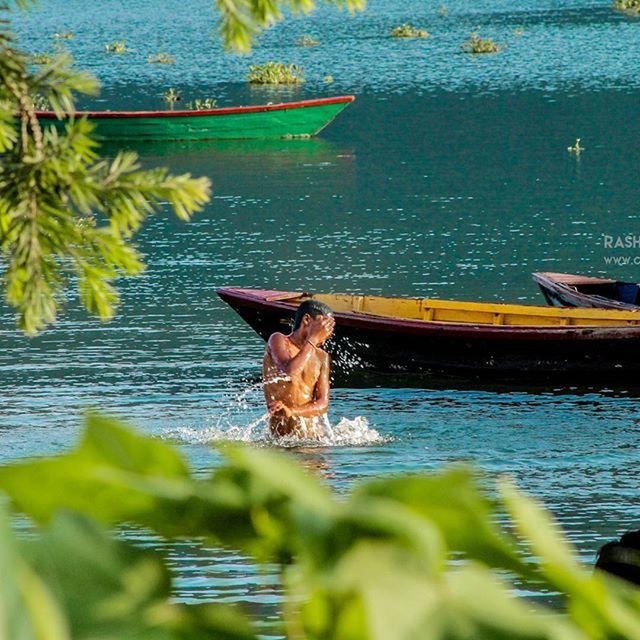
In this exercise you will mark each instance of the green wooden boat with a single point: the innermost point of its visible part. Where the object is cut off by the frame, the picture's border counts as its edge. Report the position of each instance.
(286, 120)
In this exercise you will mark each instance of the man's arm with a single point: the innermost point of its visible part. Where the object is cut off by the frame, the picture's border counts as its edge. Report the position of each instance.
(320, 329)
(282, 358)
(320, 403)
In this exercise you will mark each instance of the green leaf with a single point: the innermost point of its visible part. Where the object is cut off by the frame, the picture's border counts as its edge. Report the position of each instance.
(104, 585)
(370, 565)
(453, 501)
(112, 590)
(378, 519)
(109, 441)
(28, 609)
(273, 472)
(115, 475)
(52, 182)
(377, 592)
(284, 504)
(542, 534)
(481, 606)
(593, 602)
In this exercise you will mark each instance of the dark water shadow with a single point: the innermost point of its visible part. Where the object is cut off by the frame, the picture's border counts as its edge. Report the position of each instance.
(367, 380)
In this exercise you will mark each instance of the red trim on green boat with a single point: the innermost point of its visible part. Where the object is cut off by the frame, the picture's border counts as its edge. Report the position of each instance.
(222, 111)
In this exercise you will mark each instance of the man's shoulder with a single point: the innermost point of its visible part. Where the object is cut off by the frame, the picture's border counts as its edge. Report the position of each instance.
(277, 337)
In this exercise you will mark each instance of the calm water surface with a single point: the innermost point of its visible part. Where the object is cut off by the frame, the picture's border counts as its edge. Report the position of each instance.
(449, 176)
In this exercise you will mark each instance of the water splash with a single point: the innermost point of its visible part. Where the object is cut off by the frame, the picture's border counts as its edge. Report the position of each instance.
(354, 432)
(242, 418)
(347, 354)
(237, 406)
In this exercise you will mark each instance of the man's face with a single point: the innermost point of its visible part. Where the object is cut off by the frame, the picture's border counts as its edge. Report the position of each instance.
(320, 328)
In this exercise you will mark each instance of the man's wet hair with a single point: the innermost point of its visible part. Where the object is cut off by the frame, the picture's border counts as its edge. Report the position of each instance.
(314, 308)
(622, 558)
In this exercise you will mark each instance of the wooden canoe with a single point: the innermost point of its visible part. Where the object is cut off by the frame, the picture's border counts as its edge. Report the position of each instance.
(569, 290)
(286, 120)
(469, 340)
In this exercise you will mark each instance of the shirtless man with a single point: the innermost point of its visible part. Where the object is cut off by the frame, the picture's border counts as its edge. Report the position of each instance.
(296, 373)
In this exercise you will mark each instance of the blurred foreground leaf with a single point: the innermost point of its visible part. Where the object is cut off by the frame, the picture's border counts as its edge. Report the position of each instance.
(75, 581)
(452, 501)
(604, 607)
(241, 21)
(109, 589)
(374, 564)
(28, 609)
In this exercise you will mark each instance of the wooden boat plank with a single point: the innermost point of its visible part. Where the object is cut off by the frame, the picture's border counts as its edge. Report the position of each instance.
(474, 312)
(573, 279)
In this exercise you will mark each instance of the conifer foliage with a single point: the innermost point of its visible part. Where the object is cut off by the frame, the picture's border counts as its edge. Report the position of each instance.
(67, 216)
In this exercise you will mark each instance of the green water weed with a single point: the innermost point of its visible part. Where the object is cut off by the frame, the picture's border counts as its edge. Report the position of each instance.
(275, 73)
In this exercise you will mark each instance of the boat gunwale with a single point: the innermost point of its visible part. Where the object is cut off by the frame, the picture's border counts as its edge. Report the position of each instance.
(569, 279)
(460, 329)
(220, 111)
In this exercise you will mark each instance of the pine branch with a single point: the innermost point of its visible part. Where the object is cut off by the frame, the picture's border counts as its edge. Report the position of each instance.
(241, 21)
(66, 214)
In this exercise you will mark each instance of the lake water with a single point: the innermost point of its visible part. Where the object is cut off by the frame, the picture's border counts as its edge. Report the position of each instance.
(449, 176)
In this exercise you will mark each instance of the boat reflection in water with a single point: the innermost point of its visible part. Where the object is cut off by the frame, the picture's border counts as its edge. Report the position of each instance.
(284, 152)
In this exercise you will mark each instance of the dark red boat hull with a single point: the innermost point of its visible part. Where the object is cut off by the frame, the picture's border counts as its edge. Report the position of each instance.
(480, 353)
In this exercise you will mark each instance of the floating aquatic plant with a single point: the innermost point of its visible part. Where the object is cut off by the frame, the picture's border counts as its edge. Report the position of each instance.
(476, 44)
(576, 149)
(275, 73)
(408, 31)
(161, 58)
(308, 41)
(631, 6)
(171, 96)
(63, 35)
(202, 104)
(118, 46)
(328, 79)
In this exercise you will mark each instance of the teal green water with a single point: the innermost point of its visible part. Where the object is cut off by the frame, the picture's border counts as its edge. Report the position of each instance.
(449, 176)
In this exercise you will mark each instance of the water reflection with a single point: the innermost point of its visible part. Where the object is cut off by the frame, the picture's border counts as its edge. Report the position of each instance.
(315, 461)
(279, 154)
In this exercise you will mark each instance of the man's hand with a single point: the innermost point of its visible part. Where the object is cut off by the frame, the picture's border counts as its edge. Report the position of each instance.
(321, 329)
(277, 406)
